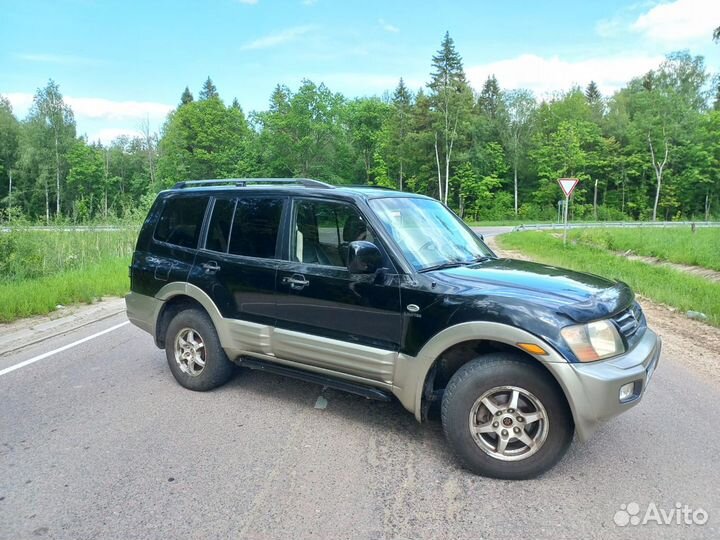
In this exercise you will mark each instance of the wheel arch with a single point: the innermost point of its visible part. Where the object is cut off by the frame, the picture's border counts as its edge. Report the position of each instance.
(177, 295)
(412, 374)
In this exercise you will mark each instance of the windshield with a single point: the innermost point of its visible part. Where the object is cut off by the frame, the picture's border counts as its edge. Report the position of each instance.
(429, 235)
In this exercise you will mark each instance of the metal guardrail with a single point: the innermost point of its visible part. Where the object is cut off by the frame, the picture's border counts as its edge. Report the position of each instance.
(615, 224)
(69, 228)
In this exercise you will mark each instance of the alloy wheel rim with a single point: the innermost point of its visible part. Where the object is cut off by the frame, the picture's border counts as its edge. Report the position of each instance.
(509, 423)
(190, 351)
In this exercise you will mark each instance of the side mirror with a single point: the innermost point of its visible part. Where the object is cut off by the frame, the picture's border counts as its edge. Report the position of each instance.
(363, 257)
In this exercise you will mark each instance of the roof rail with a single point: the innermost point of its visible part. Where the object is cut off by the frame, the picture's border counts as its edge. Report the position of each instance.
(243, 182)
(367, 186)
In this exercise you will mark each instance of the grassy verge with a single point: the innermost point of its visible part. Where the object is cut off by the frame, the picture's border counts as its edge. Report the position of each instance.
(41, 295)
(671, 287)
(42, 269)
(678, 245)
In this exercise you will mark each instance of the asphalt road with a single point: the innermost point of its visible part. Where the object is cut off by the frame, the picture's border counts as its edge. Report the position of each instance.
(98, 441)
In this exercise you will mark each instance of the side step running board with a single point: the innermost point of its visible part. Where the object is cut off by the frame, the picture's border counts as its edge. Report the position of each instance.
(323, 380)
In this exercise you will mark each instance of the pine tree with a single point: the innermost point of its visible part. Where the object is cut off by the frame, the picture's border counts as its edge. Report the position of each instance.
(402, 100)
(208, 90)
(186, 97)
(592, 93)
(401, 95)
(490, 97)
(448, 67)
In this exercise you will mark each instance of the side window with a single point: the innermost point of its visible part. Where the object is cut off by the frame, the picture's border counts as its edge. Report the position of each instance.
(219, 228)
(181, 220)
(322, 231)
(255, 227)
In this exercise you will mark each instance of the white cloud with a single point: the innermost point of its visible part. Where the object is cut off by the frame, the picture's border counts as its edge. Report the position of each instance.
(387, 26)
(363, 83)
(680, 21)
(117, 110)
(279, 38)
(20, 102)
(547, 75)
(61, 59)
(107, 135)
(248, 2)
(99, 108)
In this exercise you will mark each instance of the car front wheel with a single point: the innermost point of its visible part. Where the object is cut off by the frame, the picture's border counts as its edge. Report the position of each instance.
(505, 417)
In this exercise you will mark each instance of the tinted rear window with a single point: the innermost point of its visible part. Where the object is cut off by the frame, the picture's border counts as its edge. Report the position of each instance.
(255, 227)
(219, 229)
(181, 220)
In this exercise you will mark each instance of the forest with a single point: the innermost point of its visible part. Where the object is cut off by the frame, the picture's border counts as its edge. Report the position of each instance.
(649, 151)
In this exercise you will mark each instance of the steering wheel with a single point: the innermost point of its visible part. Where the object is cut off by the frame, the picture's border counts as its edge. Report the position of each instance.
(429, 244)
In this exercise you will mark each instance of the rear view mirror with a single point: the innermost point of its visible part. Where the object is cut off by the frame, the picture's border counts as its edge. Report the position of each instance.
(363, 257)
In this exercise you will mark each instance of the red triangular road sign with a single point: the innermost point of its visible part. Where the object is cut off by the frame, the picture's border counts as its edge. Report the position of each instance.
(568, 185)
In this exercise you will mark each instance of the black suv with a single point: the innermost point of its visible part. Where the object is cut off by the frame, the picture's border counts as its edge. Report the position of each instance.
(391, 296)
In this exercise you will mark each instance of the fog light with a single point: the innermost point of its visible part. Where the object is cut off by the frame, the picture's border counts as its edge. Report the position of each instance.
(627, 391)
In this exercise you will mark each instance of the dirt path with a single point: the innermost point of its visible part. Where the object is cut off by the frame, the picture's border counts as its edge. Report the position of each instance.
(707, 273)
(690, 342)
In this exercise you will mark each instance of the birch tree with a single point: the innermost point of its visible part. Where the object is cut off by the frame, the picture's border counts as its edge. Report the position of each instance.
(54, 123)
(451, 99)
(520, 108)
(9, 145)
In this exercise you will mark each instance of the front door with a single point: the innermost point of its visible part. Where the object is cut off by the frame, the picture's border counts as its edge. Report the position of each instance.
(326, 316)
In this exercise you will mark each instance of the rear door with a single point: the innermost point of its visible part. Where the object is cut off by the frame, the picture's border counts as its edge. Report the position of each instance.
(168, 250)
(238, 262)
(327, 316)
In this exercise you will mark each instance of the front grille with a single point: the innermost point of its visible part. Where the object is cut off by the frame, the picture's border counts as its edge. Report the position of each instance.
(629, 321)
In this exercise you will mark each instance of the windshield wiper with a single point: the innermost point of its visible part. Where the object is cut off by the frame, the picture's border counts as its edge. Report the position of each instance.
(443, 266)
(478, 258)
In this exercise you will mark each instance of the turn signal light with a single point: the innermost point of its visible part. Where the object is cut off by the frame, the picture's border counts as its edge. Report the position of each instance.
(532, 348)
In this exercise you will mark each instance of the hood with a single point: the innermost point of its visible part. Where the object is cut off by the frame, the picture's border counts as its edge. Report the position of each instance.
(578, 295)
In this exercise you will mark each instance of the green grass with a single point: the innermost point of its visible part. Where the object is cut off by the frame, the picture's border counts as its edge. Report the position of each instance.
(40, 270)
(41, 295)
(26, 253)
(678, 245)
(661, 284)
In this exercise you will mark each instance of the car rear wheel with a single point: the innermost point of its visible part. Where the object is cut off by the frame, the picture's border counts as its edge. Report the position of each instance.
(505, 417)
(194, 354)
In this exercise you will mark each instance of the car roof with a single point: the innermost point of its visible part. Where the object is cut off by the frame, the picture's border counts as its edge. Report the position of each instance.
(287, 187)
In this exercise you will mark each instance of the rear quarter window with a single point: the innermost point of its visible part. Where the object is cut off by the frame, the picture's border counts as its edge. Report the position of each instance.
(181, 220)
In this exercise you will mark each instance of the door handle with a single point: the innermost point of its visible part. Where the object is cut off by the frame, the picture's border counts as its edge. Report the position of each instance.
(210, 266)
(296, 282)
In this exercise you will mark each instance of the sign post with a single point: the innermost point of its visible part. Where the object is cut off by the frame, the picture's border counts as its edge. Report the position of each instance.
(568, 186)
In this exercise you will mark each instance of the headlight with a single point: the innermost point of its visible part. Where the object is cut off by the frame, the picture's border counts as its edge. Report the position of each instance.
(593, 341)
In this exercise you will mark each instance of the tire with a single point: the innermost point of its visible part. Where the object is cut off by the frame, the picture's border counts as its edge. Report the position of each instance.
(542, 417)
(190, 341)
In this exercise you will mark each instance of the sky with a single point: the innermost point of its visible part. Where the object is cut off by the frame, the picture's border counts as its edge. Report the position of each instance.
(119, 63)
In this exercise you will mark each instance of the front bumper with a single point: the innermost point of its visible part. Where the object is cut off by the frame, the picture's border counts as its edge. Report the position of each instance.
(593, 389)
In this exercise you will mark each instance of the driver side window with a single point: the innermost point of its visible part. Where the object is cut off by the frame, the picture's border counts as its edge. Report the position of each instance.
(322, 231)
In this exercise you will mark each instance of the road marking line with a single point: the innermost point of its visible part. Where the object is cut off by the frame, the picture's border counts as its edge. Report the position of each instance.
(60, 349)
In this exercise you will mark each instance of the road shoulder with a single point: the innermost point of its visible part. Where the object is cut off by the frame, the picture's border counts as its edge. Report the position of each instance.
(23, 333)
